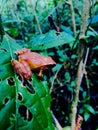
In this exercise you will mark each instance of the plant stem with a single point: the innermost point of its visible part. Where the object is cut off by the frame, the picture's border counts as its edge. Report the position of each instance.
(81, 67)
(76, 97)
(55, 76)
(73, 16)
(38, 24)
(58, 126)
(84, 18)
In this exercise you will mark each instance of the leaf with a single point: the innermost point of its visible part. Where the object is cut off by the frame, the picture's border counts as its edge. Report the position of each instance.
(95, 48)
(93, 20)
(21, 107)
(86, 116)
(90, 33)
(94, 62)
(66, 29)
(7, 49)
(67, 128)
(90, 108)
(57, 67)
(13, 31)
(67, 76)
(38, 104)
(49, 40)
(73, 56)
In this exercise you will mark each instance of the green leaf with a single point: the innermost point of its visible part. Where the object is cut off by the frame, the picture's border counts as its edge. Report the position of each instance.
(67, 128)
(67, 76)
(94, 62)
(73, 56)
(95, 48)
(73, 83)
(7, 49)
(13, 32)
(57, 67)
(90, 108)
(21, 107)
(86, 116)
(90, 33)
(49, 40)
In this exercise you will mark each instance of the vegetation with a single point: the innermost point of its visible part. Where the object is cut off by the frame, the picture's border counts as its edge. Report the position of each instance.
(68, 32)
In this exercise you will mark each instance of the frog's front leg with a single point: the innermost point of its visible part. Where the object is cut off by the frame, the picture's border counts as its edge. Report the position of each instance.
(22, 69)
(41, 71)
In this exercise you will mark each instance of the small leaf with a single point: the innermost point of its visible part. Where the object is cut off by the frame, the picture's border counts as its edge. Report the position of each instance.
(95, 48)
(57, 67)
(84, 94)
(90, 108)
(13, 32)
(86, 116)
(90, 33)
(73, 56)
(67, 76)
(73, 83)
(94, 62)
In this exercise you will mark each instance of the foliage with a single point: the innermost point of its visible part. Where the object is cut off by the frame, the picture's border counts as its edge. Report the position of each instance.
(50, 40)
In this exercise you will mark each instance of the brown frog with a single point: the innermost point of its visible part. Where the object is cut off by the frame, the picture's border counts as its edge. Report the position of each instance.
(31, 61)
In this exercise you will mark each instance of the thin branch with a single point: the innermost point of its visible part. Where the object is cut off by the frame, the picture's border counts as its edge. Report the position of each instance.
(55, 76)
(58, 126)
(86, 57)
(88, 85)
(38, 24)
(84, 18)
(67, 2)
(80, 73)
(75, 102)
(73, 16)
(90, 28)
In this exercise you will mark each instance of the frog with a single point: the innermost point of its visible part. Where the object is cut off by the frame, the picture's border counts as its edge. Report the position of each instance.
(29, 61)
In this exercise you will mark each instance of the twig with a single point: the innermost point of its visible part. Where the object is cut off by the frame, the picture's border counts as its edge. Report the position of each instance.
(58, 126)
(67, 2)
(55, 76)
(85, 73)
(75, 102)
(86, 57)
(38, 24)
(88, 85)
(80, 73)
(73, 16)
(84, 18)
(90, 28)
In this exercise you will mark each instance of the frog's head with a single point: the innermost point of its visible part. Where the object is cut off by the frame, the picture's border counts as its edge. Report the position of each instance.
(22, 51)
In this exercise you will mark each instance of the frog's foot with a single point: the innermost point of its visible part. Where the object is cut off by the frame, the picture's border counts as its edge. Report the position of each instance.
(40, 75)
(22, 51)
